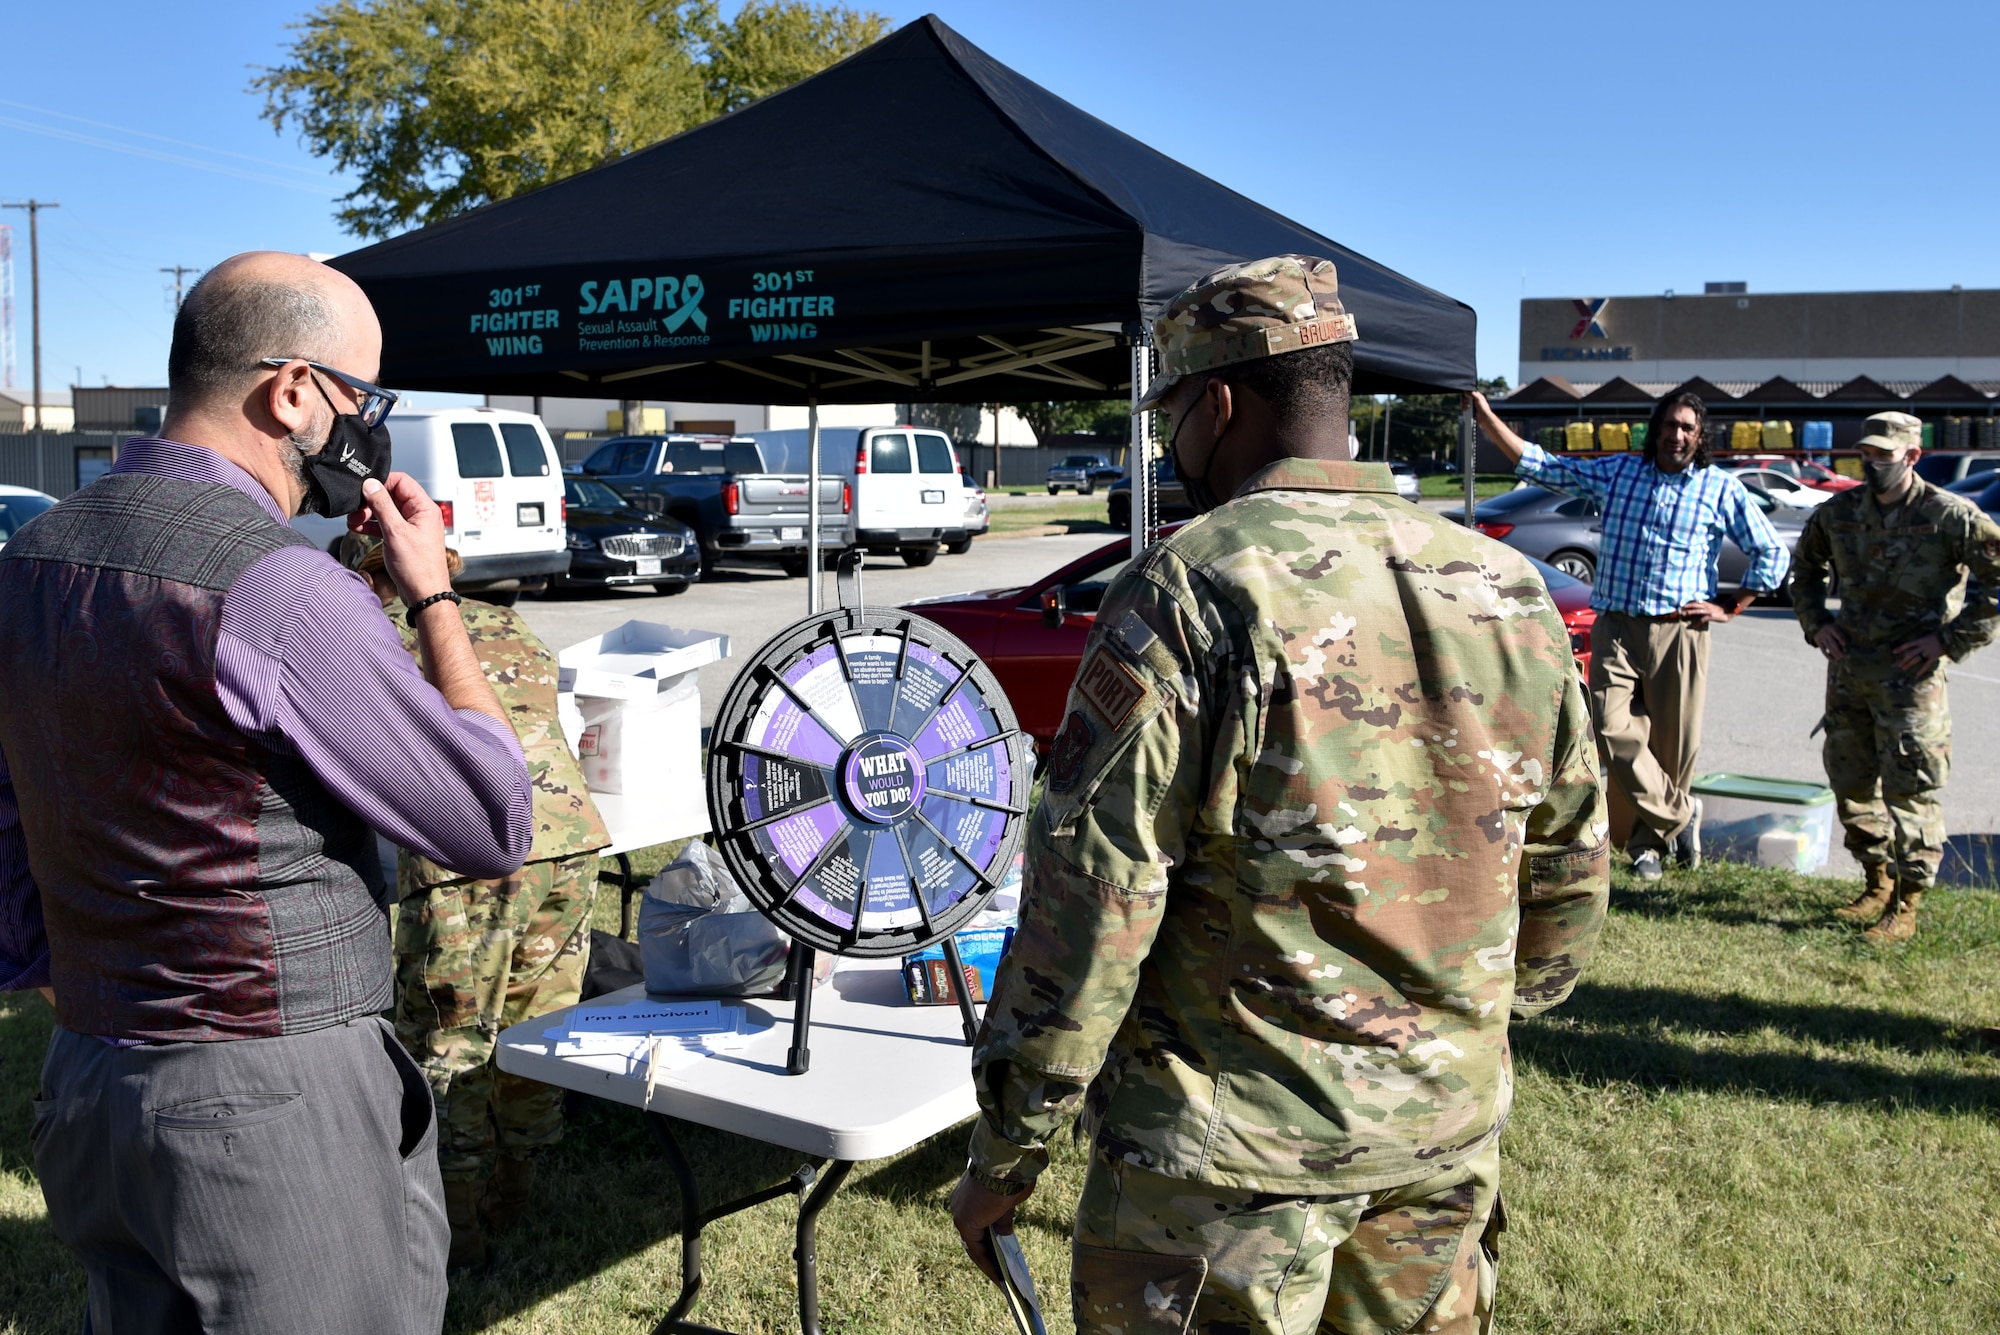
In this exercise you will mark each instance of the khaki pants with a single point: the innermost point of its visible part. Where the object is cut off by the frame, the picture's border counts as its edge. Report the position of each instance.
(1648, 686)
(1161, 1256)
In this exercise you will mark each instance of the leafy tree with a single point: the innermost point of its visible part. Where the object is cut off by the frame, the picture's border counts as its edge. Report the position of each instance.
(439, 106)
(1086, 417)
(1417, 426)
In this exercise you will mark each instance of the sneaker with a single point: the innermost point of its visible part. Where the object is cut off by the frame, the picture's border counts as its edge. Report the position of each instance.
(1687, 844)
(1647, 865)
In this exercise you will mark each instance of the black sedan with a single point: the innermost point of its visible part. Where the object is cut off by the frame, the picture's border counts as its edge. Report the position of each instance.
(612, 544)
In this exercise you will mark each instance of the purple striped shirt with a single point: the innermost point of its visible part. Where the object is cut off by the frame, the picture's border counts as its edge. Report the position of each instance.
(307, 665)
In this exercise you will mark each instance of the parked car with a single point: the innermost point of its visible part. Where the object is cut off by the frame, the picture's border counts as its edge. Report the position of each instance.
(1803, 470)
(907, 493)
(20, 504)
(1169, 496)
(1564, 530)
(741, 499)
(1082, 473)
(977, 519)
(1033, 636)
(1407, 485)
(612, 543)
(1986, 498)
(1946, 467)
(496, 477)
(1782, 487)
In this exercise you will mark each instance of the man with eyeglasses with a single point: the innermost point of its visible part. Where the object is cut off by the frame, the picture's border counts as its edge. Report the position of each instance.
(203, 720)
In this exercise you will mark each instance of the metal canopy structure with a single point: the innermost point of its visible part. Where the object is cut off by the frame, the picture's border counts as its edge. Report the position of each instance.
(917, 223)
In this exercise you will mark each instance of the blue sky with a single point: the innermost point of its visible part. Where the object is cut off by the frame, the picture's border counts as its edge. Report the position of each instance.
(1486, 150)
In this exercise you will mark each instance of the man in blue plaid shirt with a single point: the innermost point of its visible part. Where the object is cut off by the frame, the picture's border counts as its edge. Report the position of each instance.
(1666, 512)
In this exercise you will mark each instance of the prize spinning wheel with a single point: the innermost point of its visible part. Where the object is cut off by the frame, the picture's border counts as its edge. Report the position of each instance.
(868, 782)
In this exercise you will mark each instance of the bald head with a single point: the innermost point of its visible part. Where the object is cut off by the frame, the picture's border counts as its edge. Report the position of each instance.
(261, 304)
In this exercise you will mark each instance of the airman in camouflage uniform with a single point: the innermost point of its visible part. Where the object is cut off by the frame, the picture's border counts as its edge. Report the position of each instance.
(473, 957)
(1324, 814)
(1902, 549)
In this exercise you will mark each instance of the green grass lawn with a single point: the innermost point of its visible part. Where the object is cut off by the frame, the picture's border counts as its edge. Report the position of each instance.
(1747, 1120)
(1438, 486)
(1078, 514)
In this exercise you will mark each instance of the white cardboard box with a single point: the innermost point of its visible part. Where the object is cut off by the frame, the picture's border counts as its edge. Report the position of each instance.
(637, 659)
(630, 704)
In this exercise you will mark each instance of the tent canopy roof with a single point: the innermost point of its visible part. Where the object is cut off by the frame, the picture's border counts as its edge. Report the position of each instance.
(917, 223)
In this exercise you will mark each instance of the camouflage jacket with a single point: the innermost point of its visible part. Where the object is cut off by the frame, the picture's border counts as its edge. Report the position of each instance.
(1324, 812)
(1901, 575)
(523, 674)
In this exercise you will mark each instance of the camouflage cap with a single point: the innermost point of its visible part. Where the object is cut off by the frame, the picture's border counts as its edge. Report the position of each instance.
(1894, 431)
(1245, 311)
(359, 551)
(363, 552)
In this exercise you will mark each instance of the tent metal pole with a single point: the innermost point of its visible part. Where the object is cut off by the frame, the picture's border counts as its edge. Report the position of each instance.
(1139, 466)
(812, 505)
(1468, 451)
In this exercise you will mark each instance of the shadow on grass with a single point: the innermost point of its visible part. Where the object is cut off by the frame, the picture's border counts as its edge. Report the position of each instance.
(41, 1288)
(1646, 1036)
(603, 1196)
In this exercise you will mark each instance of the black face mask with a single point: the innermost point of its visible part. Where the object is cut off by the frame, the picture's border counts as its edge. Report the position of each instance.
(1201, 497)
(1885, 475)
(352, 454)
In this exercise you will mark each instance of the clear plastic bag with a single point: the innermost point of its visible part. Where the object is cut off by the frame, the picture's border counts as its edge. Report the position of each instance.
(698, 932)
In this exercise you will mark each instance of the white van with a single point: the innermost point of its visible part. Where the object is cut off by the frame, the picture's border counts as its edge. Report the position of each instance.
(908, 496)
(496, 476)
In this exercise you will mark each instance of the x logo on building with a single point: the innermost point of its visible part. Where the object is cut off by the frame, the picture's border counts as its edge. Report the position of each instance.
(1589, 310)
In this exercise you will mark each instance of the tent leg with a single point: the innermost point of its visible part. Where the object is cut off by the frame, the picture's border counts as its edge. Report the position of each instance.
(1139, 463)
(812, 505)
(1468, 455)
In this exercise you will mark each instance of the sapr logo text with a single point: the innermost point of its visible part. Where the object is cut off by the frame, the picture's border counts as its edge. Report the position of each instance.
(678, 300)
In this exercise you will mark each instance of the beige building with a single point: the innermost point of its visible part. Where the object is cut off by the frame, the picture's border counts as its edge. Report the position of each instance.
(17, 410)
(1728, 334)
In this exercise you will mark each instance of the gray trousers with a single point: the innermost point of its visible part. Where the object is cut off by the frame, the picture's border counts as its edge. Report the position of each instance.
(271, 1184)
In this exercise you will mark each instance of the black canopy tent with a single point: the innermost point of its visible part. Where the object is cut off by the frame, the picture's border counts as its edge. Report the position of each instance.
(917, 222)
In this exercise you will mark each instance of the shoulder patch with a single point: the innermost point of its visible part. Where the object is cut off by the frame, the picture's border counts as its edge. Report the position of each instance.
(1071, 749)
(1111, 688)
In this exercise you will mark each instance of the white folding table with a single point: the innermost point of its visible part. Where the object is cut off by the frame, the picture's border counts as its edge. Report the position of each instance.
(885, 1074)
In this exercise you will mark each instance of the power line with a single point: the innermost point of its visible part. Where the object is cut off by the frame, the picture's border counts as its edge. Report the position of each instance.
(7, 371)
(179, 271)
(34, 208)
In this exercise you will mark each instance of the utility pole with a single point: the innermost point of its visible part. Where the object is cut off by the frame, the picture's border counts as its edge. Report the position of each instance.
(178, 271)
(34, 208)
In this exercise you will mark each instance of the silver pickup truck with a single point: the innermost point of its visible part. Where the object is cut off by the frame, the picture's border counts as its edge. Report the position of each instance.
(739, 501)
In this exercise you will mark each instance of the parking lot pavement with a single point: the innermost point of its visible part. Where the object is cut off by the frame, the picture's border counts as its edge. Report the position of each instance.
(752, 603)
(1764, 695)
(1766, 690)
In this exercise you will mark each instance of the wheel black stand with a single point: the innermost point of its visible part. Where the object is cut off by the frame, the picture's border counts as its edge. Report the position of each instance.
(813, 1189)
(799, 971)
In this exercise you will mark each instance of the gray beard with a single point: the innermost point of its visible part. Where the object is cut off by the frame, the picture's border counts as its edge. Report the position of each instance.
(292, 451)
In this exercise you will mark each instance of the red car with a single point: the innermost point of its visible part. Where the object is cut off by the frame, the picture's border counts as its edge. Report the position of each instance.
(1032, 637)
(1815, 475)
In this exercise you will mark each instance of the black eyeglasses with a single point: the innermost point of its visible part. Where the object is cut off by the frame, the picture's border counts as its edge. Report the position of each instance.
(375, 401)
